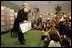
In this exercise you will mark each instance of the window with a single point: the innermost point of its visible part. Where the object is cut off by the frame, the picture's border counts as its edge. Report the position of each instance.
(11, 26)
(2, 23)
(2, 18)
(12, 22)
(12, 14)
(2, 13)
(2, 28)
(2, 8)
(11, 18)
(11, 10)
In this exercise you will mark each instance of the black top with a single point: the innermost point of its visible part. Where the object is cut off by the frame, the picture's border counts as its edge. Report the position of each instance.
(21, 16)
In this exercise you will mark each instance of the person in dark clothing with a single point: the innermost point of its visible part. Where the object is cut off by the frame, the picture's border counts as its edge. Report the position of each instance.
(21, 17)
(63, 28)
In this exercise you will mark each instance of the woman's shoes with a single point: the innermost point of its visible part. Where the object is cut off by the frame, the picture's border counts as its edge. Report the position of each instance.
(22, 43)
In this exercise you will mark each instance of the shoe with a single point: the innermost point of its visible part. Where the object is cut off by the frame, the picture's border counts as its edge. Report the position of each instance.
(23, 39)
(22, 43)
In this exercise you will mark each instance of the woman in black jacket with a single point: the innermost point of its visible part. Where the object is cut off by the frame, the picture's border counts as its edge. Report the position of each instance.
(21, 16)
